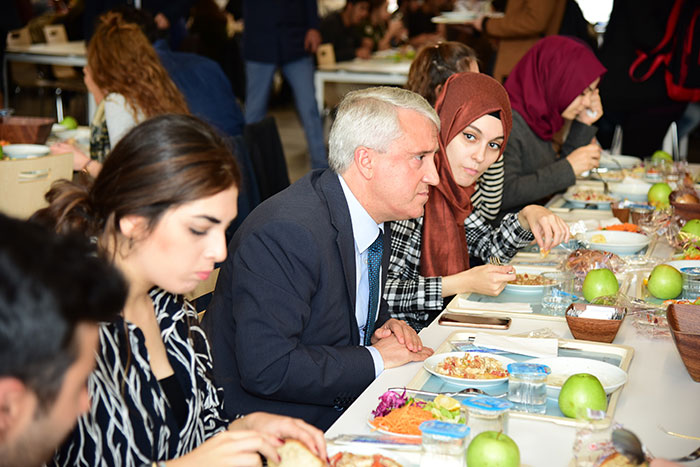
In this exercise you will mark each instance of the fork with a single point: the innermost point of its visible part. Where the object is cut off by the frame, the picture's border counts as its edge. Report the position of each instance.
(463, 392)
(606, 188)
(495, 261)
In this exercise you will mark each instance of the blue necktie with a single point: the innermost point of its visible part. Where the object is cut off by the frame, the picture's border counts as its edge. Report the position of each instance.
(374, 262)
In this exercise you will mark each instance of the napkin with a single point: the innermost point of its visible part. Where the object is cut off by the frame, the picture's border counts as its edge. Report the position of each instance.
(514, 307)
(532, 346)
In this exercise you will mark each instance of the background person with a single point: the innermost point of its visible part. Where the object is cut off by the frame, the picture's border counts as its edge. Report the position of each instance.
(53, 293)
(159, 210)
(343, 29)
(430, 254)
(297, 324)
(554, 91)
(523, 23)
(284, 35)
(129, 84)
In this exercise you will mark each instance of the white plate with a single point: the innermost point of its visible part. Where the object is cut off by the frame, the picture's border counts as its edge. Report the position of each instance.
(632, 191)
(527, 289)
(620, 243)
(681, 264)
(610, 376)
(25, 151)
(576, 203)
(385, 432)
(459, 15)
(627, 162)
(404, 458)
(431, 364)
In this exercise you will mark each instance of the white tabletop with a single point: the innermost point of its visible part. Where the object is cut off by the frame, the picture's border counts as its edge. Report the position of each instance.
(76, 48)
(659, 392)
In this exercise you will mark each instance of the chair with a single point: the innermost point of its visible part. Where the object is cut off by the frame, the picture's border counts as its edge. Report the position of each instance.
(67, 78)
(24, 182)
(267, 154)
(201, 295)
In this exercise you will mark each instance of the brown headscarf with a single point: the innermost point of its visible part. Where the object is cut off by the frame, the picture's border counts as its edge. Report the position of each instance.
(465, 97)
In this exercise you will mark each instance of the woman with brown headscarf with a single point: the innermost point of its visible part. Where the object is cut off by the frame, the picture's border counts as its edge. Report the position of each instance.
(430, 255)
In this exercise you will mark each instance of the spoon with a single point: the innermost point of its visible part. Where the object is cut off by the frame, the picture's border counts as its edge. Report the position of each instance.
(627, 444)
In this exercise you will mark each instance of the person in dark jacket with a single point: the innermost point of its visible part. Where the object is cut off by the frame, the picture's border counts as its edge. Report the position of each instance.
(342, 29)
(283, 35)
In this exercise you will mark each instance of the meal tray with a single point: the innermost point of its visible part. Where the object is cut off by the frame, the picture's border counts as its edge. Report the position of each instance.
(618, 355)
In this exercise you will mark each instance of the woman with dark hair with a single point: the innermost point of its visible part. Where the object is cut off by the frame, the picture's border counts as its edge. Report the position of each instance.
(429, 71)
(159, 209)
(129, 83)
(430, 254)
(554, 92)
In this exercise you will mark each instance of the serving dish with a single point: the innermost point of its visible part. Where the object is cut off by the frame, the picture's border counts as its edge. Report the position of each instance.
(618, 242)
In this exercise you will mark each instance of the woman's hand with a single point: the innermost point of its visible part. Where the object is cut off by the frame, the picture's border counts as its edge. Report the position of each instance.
(80, 159)
(231, 449)
(591, 114)
(584, 158)
(282, 427)
(549, 229)
(486, 280)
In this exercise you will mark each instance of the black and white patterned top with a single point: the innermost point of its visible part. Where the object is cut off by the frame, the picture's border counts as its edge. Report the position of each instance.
(130, 422)
(410, 295)
(487, 198)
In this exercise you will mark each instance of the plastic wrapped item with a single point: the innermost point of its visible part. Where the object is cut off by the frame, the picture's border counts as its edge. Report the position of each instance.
(593, 443)
(582, 260)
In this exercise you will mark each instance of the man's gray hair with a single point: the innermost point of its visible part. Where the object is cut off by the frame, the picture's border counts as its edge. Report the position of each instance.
(369, 118)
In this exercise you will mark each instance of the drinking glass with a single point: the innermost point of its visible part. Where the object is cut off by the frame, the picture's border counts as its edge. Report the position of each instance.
(560, 294)
(527, 387)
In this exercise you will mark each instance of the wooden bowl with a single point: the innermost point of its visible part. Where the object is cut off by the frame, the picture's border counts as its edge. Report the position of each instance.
(594, 329)
(684, 321)
(688, 210)
(30, 130)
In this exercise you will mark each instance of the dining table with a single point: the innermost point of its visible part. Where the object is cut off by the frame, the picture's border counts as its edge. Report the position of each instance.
(388, 67)
(72, 53)
(658, 395)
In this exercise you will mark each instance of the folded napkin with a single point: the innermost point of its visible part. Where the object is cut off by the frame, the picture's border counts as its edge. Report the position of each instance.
(513, 307)
(533, 346)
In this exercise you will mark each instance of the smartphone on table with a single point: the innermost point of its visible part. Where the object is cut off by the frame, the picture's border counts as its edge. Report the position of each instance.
(474, 321)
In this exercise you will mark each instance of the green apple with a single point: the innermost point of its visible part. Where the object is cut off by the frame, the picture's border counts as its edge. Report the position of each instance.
(661, 156)
(658, 195)
(70, 123)
(692, 227)
(665, 282)
(580, 392)
(599, 283)
(493, 449)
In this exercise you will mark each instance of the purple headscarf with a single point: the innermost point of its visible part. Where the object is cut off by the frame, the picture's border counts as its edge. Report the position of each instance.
(548, 78)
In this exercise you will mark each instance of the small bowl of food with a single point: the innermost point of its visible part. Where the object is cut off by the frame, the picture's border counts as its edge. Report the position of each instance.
(633, 190)
(684, 321)
(618, 242)
(686, 203)
(598, 323)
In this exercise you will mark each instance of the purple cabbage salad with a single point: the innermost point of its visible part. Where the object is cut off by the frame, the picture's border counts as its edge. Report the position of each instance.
(391, 400)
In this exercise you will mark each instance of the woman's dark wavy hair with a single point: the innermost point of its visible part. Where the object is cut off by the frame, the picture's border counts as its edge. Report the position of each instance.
(434, 64)
(162, 163)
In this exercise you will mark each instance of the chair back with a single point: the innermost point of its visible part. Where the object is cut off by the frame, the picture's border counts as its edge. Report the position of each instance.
(56, 34)
(24, 182)
(267, 154)
(24, 74)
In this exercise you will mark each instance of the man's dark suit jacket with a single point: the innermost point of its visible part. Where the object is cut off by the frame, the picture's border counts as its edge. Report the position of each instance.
(282, 321)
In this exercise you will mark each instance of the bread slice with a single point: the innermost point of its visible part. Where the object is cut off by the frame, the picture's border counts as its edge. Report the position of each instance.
(295, 454)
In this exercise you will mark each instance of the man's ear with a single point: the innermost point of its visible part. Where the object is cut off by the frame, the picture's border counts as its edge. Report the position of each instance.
(364, 161)
(14, 401)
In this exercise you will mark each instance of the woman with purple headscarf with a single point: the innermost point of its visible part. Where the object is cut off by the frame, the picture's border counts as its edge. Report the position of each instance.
(554, 94)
